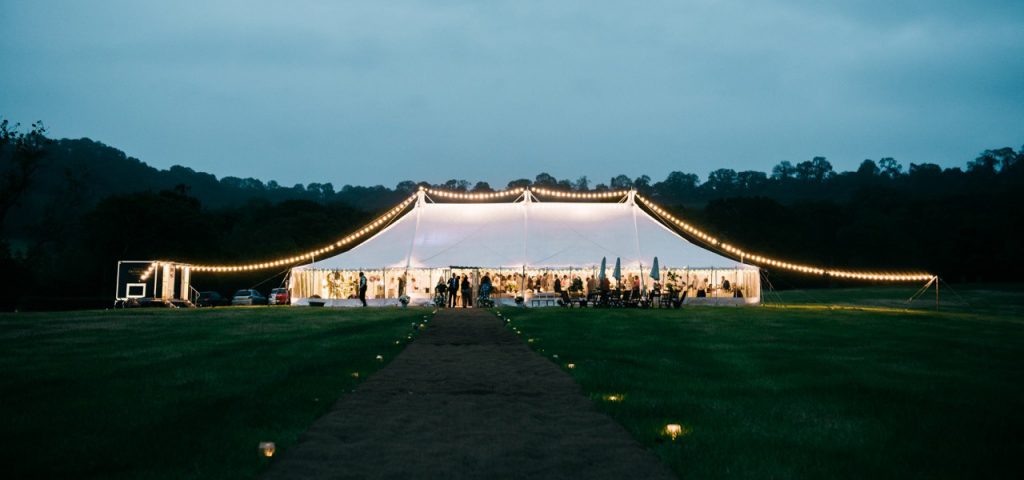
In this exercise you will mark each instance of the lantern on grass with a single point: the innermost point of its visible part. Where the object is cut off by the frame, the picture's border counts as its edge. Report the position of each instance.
(267, 449)
(614, 397)
(570, 366)
(674, 430)
(355, 374)
(380, 358)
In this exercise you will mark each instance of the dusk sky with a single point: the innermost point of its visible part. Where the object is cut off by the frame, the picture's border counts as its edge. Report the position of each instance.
(377, 92)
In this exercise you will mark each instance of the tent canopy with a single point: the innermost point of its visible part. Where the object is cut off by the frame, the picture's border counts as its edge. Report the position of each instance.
(527, 234)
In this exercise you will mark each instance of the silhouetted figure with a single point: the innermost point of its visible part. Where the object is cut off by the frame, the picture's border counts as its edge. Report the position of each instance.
(440, 292)
(467, 292)
(485, 286)
(362, 288)
(606, 287)
(453, 289)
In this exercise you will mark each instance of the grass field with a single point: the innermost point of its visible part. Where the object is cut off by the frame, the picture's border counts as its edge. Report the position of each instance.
(176, 394)
(807, 387)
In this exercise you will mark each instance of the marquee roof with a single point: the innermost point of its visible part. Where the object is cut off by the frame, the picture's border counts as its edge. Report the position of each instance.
(525, 233)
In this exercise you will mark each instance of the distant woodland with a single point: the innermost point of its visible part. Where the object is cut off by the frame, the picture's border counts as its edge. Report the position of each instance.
(69, 209)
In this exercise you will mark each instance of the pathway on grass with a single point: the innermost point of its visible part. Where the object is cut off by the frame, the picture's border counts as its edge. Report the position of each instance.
(467, 399)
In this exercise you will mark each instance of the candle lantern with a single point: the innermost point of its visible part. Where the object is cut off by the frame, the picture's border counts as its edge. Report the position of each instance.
(267, 449)
(674, 430)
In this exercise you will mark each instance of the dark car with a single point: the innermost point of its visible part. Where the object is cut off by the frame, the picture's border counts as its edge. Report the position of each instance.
(279, 296)
(211, 299)
(248, 297)
(149, 302)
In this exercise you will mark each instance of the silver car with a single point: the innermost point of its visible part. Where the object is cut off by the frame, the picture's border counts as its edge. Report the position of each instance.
(248, 297)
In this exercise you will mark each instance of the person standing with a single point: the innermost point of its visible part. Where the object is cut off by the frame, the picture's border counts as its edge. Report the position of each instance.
(605, 287)
(467, 292)
(440, 291)
(362, 288)
(453, 289)
(485, 286)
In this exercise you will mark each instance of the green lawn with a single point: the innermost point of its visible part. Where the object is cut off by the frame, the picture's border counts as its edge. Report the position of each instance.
(805, 389)
(176, 394)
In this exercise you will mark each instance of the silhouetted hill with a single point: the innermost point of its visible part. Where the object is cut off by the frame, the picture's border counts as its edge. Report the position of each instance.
(79, 173)
(69, 209)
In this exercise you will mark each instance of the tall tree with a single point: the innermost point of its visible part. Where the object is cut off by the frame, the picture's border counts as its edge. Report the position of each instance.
(482, 187)
(890, 167)
(784, 170)
(868, 168)
(621, 182)
(545, 180)
(20, 156)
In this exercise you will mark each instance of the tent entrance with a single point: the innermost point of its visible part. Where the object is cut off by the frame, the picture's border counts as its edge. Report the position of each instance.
(473, 274)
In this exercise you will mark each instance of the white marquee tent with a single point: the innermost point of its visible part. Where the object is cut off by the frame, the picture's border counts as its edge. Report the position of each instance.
(513, 240)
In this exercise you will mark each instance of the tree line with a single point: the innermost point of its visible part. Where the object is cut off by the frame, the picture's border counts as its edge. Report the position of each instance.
(69, 209)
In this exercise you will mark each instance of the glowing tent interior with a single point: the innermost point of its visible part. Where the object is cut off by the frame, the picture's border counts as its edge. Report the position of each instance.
(523, 245)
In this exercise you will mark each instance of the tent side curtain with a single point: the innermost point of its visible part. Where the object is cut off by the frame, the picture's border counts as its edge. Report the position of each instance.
(512, 282)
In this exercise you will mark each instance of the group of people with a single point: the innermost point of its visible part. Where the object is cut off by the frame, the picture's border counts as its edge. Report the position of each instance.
(706, 289)
(459, 289)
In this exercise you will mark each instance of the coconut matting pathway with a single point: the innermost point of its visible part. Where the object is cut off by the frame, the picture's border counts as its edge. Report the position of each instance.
(467, 399)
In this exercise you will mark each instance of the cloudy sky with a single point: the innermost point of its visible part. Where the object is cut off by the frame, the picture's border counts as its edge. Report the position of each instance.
(376, 92)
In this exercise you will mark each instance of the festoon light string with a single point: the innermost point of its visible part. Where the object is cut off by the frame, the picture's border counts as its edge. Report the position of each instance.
(744, 256)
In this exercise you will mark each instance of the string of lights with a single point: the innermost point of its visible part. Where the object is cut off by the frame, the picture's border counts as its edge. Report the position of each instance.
(578, 195)
(760, 260)
(370, 227)
(473, 195)
(690, 229)
(149, 271)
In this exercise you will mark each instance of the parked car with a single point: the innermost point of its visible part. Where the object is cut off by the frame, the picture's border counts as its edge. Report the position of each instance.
(279, 296)
(149, 302)
(211, 299)
(248, 297)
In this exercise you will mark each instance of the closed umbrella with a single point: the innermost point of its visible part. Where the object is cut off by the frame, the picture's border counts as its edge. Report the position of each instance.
(617, 273)
(600, 274)
(655, 271)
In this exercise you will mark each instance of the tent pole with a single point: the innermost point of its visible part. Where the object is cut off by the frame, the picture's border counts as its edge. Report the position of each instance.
(936, 293)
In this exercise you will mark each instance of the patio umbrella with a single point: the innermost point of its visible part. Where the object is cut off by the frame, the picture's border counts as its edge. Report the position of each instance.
(600, 274)
(655, 271)
(617, 273)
